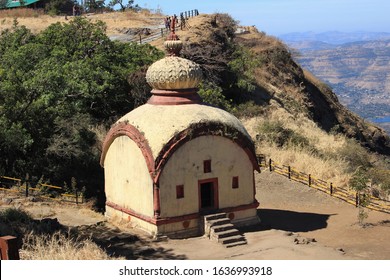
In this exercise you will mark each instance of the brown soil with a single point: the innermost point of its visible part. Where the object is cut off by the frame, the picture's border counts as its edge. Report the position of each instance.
(297, 223)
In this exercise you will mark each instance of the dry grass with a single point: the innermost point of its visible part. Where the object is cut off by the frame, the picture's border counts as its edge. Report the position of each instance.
(21, 13)
(319, 158)
(60, 247)
(331, 170)
(115, 21)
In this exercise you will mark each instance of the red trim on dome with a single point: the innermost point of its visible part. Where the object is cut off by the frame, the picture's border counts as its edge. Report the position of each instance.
(204, 129)
(124, 129)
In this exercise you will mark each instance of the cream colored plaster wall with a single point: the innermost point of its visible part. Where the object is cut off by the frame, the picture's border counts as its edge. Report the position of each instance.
(185, 167)
(114, 214)
(127, 179)
(174, 230)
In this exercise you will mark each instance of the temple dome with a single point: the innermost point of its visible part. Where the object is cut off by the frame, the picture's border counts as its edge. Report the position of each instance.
(174, 73)
(160, 123)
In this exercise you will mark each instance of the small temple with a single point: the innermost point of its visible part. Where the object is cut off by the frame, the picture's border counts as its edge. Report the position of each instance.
(173, 160)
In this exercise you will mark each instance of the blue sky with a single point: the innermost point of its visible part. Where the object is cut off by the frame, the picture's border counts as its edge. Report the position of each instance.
(277, 17)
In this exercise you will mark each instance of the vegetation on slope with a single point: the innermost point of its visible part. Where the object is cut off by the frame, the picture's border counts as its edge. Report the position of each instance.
(59, 90)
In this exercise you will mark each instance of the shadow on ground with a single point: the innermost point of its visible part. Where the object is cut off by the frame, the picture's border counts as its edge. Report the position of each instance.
(123, 244)
(289, 221)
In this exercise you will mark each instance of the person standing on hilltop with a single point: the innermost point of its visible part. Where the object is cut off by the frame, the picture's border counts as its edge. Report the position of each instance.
(167, 23)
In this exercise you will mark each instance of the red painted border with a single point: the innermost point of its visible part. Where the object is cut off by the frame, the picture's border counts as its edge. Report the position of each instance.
(204, 129)
(155, 166)
(125, 129)
(150, 220)
(171, 220)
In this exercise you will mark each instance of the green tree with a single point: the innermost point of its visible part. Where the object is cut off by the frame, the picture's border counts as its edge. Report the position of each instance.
(55, 88)
(57, 7)
(359, 182)
(225, 63)
(123, 4)
(95, 5)
(3, 3)
(212, 94)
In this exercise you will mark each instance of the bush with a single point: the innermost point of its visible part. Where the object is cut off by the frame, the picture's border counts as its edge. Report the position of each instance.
(212, 94)
(248, 110)
(355, 155)
(274, 132)
(60, 246)
(57, 85)
(57, 7)
(12, 215)
(381, 178)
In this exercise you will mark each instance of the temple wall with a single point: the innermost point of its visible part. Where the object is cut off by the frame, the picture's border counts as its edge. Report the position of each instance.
(147, 227)
(185, 167)
(127, 179)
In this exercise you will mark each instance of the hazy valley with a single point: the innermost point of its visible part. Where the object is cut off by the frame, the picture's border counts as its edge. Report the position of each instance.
(355, 65)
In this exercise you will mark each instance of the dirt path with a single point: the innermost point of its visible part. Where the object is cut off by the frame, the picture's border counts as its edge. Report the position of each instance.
(299, 223)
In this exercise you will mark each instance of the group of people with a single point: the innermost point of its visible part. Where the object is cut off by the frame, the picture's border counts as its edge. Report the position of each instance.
(183, 18)
(168, 21)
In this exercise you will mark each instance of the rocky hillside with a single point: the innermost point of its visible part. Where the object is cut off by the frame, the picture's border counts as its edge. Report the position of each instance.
(291, 86)
(280, 83)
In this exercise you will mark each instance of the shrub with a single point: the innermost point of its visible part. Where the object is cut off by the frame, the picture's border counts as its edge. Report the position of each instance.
(354, 154)
(60, 246)
(381, 178)
(274, 132)
(248, 110)
(212, 95)
(13, 215)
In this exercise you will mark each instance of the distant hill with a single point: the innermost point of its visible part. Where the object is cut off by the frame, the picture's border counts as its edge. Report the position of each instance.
(357, 71)
(333, 37)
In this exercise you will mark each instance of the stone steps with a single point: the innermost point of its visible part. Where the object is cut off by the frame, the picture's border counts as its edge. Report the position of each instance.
(219, 228)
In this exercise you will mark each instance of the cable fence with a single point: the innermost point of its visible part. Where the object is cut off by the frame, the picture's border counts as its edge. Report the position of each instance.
(32, 188)
(339, 192)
